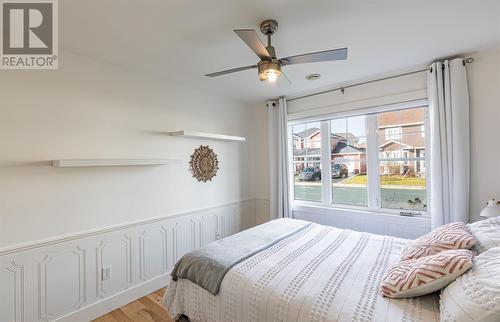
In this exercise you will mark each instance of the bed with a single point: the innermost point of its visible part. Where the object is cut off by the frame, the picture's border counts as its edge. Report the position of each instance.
(318, 273)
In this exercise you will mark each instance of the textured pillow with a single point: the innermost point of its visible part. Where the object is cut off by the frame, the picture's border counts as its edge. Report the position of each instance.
(474, 296)
(450, 236)
(425, 275)
(487, 233)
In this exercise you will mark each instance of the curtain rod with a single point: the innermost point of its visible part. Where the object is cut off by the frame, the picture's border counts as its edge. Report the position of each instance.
(342, 88)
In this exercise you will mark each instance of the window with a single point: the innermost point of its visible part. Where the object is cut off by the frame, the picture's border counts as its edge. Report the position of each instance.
(402, 161)
(375, 161)
(392, 133)
(306, 164)
(348, 160)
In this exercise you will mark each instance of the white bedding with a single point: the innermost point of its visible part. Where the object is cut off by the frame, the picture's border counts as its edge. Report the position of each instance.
(318, 274)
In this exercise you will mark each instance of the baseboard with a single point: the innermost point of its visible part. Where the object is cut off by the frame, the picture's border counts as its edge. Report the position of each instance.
(115, 301)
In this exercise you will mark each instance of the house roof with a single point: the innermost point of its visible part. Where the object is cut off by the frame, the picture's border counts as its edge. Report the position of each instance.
(340, 148)
(307, 133)
(342, 136)
(343, 148)
(390, 142)
(346, 136)
(308, 152)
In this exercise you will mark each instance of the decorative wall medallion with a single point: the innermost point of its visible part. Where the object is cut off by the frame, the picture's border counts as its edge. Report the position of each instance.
(204, 163)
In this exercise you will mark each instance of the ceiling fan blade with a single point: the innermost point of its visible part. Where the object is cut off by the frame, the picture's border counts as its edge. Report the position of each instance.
(250, 37)
(327, 55)
(283, 81)
(229, 71)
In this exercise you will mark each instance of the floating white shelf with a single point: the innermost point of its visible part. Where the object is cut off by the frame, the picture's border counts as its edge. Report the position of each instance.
(203, 135)
(68, 163)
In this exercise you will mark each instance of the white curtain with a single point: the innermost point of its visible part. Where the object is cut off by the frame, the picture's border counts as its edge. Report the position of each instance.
(279, 175)
(449, 139)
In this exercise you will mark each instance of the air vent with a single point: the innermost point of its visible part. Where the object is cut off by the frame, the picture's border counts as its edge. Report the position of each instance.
(312, 77)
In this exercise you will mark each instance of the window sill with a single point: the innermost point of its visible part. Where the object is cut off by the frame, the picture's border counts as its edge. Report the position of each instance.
(302, 204)
(363, 219)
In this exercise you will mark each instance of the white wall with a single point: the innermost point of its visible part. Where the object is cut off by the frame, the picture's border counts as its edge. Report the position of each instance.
(484, 91)
(60, 226)
(88, 109)
(261, 164)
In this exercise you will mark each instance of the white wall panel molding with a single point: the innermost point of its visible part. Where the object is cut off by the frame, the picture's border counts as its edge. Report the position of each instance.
(12, 291)
(209, 228)
(184, 233)
(63, 279)
(61, 283)
(153, 253)
(262, 210)
(117, 254)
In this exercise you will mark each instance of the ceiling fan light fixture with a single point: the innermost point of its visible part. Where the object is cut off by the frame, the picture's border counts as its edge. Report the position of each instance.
(269, 70)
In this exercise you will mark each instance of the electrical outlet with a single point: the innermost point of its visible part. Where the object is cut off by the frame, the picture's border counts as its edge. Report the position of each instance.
(217, 234)
(106, 273)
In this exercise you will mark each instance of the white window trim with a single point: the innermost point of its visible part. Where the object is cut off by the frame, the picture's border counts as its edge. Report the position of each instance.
(372, 162)
(298, 118)
(326, 168)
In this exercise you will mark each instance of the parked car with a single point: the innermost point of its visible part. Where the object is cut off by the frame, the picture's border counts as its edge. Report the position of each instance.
(339, 171)
(310, 174)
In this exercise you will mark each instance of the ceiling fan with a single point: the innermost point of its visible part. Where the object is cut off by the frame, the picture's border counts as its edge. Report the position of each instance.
(269, 66)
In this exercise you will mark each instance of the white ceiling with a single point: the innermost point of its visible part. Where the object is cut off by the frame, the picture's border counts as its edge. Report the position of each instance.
(185, 39)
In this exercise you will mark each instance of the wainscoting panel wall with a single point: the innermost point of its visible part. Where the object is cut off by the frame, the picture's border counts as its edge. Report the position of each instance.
(80, 277)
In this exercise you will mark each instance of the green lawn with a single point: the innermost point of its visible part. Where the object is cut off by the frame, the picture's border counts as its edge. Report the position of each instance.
(393, 198)
(386, 180)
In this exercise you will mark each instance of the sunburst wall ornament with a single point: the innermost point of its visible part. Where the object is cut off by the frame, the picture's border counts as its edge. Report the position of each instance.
(204, 164)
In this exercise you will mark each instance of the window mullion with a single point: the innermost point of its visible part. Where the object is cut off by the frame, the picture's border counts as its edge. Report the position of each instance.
(326, 168)
(372, 162)
(291, 177)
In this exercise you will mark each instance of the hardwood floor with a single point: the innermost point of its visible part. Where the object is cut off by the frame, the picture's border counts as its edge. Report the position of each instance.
(146, 309)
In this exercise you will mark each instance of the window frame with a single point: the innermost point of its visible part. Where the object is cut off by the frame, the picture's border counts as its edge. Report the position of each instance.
(372, 160)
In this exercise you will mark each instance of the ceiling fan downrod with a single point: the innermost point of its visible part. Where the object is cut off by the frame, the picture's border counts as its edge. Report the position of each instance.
(268, 28)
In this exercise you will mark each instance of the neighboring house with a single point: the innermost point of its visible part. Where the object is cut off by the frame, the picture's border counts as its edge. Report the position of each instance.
(344, 147)
(401, 136)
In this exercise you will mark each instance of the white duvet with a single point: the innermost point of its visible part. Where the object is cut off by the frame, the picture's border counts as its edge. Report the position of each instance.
(318, 274)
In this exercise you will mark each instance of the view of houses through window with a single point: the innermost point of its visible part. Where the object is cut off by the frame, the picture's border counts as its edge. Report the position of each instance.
(402, 159)
(348, 146)
(401, 145)
(307, 161)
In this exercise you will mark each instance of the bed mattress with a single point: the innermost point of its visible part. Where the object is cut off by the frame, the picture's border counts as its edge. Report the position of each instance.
(320, 273)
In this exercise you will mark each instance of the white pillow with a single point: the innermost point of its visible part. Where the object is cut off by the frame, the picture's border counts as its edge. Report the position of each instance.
(474, 296)
(487, 233)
